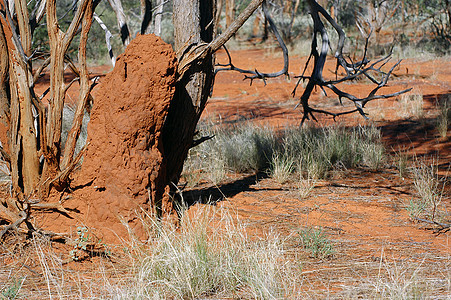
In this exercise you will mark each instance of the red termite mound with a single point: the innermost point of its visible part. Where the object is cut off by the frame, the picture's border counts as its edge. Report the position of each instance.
(122, 168)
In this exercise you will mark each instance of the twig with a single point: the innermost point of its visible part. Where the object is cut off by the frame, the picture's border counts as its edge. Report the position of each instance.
(440, 227)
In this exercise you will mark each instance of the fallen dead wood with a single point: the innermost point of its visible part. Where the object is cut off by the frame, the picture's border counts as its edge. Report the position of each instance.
(438, 227)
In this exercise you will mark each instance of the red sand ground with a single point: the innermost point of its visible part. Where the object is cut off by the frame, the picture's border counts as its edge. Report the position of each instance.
(363, 212)
(368, 206)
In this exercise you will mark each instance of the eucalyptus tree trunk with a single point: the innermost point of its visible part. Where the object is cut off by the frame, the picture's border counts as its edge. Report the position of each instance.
(16, 96)
(193, 25)
(229, 11)
(158, 17)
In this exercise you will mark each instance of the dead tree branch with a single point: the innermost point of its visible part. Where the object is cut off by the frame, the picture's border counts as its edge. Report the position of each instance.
(352, 69)
(438, 227)
(108, 37)
(256, 74)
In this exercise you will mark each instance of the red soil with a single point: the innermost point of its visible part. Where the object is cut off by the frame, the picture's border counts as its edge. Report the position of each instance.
(363, 211)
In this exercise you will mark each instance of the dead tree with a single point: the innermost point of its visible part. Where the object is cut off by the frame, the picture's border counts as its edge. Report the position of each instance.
(318, 55)
(31, 132)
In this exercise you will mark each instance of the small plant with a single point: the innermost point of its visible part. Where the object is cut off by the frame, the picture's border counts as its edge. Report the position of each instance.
(444, 119)
(315, 240)
(370, 147)
(80, 243)
(11, 291)
(281, 168)
(427, 186)
(401, 160)
(412, 105)
(305, 186)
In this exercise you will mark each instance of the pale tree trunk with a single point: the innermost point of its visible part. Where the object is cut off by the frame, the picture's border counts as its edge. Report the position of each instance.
(159, 17)
(219, 6)
(116, 5)
(146, 16)
(230, 11)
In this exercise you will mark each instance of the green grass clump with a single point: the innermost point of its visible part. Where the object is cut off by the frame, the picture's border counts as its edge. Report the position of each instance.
(11, 290)
(309, 151)
(316, 242)
(319, 150)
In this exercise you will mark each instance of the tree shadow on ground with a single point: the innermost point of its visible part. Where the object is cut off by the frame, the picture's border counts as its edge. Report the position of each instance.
(217, 193)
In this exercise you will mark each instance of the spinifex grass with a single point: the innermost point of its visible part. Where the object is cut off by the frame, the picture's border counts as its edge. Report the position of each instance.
(202, 259)
(309, 151)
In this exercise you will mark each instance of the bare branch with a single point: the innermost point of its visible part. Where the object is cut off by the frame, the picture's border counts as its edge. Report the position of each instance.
(256, 74)
(352, 69)
(108, 37)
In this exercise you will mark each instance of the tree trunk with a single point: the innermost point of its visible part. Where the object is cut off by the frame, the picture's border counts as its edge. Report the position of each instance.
(22, 135)
(230, 12)
(84, 92)
(116, 5)
(158, 17)
(192, 25)
(4, 94)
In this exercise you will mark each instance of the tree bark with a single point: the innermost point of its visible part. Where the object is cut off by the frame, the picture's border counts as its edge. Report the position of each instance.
(193, 25)
(22, 134)
(230, 11)
(84, 92)
(5, 115)
(158, 17)
(116, 5)
(59, 42)
(146, 13)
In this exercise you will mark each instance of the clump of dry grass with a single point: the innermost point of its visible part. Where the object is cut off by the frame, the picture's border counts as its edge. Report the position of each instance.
(444, 119)
(411, 105)
(204, 259)
(305, 186)
(429, 190)
(311, 152)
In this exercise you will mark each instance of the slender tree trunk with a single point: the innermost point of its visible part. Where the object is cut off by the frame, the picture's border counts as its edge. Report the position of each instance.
(22, 134)
(159, 17)
(230, 11)
(84, 93)
(146, 16)
(59, 42)
(26, 139)
(116, 5)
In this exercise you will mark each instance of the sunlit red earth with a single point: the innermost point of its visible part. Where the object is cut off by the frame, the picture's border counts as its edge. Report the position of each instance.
(362, 211)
